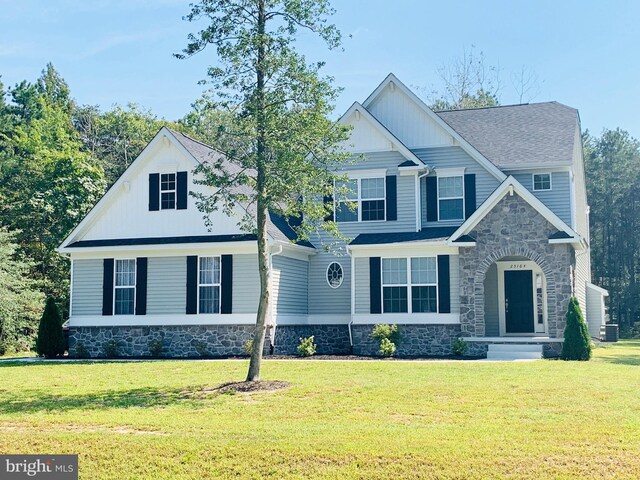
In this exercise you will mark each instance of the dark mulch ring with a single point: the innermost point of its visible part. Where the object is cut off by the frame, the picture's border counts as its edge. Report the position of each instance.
(240, 387)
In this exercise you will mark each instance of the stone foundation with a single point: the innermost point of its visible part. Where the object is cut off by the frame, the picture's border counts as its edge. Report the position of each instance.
(329, 339)
(415, 340)
(177, 341)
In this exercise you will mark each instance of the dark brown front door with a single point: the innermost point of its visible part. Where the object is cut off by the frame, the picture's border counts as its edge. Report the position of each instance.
(518, 301)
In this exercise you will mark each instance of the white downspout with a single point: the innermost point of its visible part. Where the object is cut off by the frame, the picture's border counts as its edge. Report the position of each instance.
(353, 296)
(272, 322)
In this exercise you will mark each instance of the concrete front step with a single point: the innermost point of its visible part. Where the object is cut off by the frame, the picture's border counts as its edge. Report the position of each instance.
(512, 351)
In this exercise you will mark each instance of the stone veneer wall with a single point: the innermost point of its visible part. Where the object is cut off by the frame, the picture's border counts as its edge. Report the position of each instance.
(329, 339)
(177, 340)
(513, 228)
(415, 340)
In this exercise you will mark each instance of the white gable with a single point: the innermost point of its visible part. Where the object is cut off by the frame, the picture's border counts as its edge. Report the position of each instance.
(365, 136)
(124, 213)
(406, 120)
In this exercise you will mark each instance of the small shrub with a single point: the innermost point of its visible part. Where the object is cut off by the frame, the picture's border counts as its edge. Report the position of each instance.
(110, 349)
(577, 341)
(201, 348)
(155, 348)
(388, 336)
(307, 348)
(81, 351)
(459, 347)
(50, 342)
(248, 346)
(387, 348)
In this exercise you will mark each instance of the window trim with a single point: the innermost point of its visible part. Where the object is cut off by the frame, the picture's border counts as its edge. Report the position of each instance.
(462, 197)
(219, 285)
(359, 200)
(122, 287)
(326, 275)
(533, 182)
(409, 284)
(174, 191)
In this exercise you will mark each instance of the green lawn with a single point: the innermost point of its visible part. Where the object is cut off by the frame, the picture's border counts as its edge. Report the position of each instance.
(382, 419)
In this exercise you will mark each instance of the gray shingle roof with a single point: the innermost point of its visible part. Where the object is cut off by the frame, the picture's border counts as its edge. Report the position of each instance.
(426, 234)
(277, 227)
(518, 135)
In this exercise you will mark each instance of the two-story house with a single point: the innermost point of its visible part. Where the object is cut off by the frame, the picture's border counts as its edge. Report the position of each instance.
(469, 223)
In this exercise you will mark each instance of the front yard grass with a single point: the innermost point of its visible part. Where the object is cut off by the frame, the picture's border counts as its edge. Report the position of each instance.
(373, 420)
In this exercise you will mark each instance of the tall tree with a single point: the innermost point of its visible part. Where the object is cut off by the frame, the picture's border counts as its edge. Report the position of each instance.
(280, 147)
(20, 300)
(612, 164)
(46, 182)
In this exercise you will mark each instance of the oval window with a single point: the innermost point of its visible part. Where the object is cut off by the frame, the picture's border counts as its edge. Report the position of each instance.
(334, 275)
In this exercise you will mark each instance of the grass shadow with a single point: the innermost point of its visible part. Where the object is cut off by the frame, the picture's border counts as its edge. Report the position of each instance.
(32, 401)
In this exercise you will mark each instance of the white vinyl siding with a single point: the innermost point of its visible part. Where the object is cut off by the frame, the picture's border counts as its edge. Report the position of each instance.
(246, 283)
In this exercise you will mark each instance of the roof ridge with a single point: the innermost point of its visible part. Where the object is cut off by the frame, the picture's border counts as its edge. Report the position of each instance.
(192, 139)
(503, 106)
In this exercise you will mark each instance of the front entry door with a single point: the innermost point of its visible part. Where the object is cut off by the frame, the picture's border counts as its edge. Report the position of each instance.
(518, 301)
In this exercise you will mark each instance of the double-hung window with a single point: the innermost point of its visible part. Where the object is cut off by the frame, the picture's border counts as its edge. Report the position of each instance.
(451, 198)
(209, 285)
(360, 200)
(541, 181)
(409, 285)
(168, 191)
(125, 287)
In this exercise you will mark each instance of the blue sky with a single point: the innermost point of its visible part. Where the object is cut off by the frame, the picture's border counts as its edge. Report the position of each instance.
(585, 53)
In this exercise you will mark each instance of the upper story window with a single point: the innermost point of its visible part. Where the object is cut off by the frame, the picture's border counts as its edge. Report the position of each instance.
(125, 287)
(209, 285)
(409, 285)
(168, 191)
(451, 197)
(541, 181)
(362, 200)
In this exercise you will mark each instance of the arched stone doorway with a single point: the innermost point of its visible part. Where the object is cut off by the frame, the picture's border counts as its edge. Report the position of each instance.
(490, 311)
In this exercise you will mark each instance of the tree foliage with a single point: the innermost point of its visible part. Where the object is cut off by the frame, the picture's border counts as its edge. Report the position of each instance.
(280, 146)
(50, 342)
(577, 342)
(116, 137)
(47, 183)
(20, 301)
(612, 163)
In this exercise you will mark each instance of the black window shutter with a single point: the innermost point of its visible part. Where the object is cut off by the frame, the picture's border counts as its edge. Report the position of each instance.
(375, 293)
(392, 197)
(183, 191)
(141, 286)
(107, 287)
(192, 284)
(444, 285)
(432, 199)
(469, 194)
(154, 192)
(328, 203)
(226, 284)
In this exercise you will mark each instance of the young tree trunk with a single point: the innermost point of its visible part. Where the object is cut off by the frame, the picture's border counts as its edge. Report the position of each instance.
(263, 247)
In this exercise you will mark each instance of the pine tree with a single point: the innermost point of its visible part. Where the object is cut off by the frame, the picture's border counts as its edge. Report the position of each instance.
(50, 341)
(577, 342)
